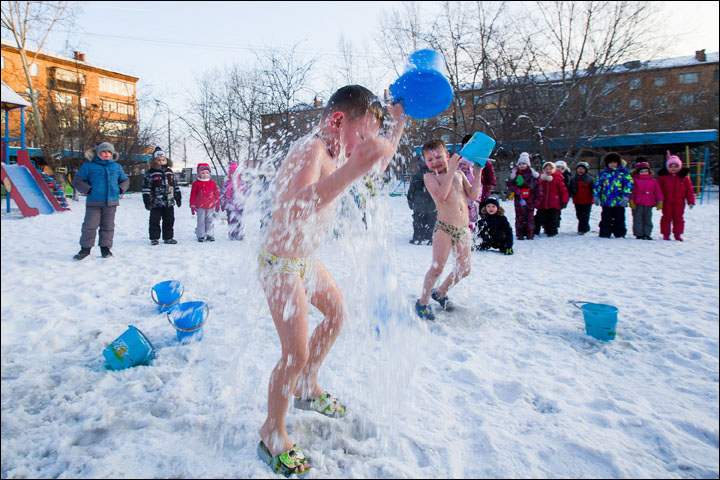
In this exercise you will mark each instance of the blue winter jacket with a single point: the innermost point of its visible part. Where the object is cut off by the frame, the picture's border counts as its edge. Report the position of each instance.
(612, 186)
(103, 181)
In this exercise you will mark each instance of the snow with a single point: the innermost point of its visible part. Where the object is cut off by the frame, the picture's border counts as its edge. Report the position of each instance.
(507, 386)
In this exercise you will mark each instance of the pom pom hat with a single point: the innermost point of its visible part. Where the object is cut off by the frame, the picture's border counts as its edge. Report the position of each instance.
(524, 158)
(203, 167)
(158, 152)
(673, 159)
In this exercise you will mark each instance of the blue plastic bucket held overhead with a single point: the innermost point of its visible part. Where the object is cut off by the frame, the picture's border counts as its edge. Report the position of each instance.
(129, 349)
(478, 149)
(423, 88)
(167, 294)
(600, 319)
(188, 319)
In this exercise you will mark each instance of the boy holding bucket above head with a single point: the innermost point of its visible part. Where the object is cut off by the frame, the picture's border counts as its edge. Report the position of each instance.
(450, 190)
(317, 169)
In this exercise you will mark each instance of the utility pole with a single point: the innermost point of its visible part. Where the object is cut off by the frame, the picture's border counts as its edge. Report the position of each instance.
(168, 122)
(184, 152)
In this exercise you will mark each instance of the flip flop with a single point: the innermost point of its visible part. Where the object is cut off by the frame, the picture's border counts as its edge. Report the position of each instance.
(286, 462)
(324, 404)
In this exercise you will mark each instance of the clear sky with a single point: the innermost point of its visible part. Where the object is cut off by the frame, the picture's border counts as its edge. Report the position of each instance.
(167, 44)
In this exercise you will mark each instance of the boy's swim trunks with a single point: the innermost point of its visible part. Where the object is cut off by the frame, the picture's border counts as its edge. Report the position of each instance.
(456, 233)
(269, 264)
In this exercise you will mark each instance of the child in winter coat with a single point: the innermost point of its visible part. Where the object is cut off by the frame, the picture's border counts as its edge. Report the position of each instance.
(103, 181)
(160, 193)
(677, 189)
(612, 191)
(422, 206)
(204, 198)
(646, 195)
(523, 183)
(580, 189)
(232, 201)
(552, 197)
(492, 228)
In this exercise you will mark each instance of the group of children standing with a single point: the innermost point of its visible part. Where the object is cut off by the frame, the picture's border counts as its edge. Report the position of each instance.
(103, 180)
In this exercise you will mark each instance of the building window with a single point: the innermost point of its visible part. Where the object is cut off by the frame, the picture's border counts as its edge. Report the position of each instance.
(609, 87)
(33, 70)
(715, 75)
(609, 107)
(689, 98)
(117, 87)
(689, 77)
(114, 128)
(635, 83)
(635, 103)
(117, 107)
(64, 98)
(582, 89)
(661, 81)
(83, 102)
(689, 122)
(660, 101)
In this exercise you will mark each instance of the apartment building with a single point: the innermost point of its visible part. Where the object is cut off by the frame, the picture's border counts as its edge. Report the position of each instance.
(75, 87)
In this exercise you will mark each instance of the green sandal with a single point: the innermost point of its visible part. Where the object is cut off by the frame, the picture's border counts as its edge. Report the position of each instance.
(285, 463)
(324, 404)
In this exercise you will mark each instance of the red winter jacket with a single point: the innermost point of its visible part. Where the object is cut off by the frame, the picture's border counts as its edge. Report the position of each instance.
(552, 194)
(204, 194)
(676, 188)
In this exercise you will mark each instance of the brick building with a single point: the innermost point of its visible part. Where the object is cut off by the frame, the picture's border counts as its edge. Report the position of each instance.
(79, 90)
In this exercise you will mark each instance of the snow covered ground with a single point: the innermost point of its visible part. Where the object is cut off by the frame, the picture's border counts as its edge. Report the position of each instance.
(508, 386)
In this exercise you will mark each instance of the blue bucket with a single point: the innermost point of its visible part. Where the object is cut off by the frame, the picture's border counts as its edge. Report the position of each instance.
(130, 349)
(167, 294)
(478, 149)
(423, 89)
(600, 319)
(188, 319)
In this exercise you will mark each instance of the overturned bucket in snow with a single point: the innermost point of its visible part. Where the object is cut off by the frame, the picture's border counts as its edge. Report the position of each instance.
(188, 319)
(129, 349)
(423, 88)
(600, 319)
(167, 294)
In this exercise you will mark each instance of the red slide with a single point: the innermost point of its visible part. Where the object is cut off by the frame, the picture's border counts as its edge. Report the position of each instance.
(27, 188)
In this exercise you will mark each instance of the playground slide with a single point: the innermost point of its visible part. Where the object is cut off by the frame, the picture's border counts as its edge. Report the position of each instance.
(27, 189)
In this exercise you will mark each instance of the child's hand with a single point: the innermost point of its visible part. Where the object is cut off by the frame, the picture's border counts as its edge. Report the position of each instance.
(454, 162)
(193, 210)
(397, 111)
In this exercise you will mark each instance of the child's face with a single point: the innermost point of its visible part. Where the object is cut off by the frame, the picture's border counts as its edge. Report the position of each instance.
(204, 174)
(491, 208)
(674, 168)
(523, 166)
(355, 131)
(612, 165)
(161, 160)
(106, 155)
(644, 171)
(548, 170)
(436, 159)
(581, 170)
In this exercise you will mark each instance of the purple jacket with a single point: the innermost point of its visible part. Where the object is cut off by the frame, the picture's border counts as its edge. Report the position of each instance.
(646, 190)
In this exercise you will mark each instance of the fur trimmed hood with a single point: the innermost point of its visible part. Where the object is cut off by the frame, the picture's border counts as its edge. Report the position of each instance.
(90, 155)
(500, 211)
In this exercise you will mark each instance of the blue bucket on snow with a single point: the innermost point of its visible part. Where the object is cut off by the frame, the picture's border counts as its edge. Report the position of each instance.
(188, 319)
(129, 349)
(167, 294)
(424, 88)
(600, 319)
(478, 149)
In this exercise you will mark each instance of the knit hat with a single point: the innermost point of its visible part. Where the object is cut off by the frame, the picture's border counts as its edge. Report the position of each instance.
(232, 168)
(524, 158)
(672, 159)
(612, 157)
(584, 165)
(492, 199)
(202, 167)
(104, 147)
(158, 152)
(640, 165)
(561, 163)
(548, 163)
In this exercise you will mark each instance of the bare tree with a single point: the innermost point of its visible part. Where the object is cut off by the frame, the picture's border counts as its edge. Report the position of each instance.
(30, 24)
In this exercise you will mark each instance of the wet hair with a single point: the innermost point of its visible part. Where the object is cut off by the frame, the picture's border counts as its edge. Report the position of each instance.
(466, 139)
(355, 101)
(433, 144)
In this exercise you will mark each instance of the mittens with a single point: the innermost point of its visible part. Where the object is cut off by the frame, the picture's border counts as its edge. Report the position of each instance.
(178, 202)
(596, 201)
(624, 202)
(563, 205)
(509, 251)
(659, 205)
(691, 206)
(217, 208)
(632, 205)
(193, 209)
(147, 207)
(523, 202)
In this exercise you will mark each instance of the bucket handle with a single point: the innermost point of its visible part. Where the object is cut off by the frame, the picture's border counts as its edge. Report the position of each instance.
(144, 337)
(575, 303)
(152, 295)
(195, 328)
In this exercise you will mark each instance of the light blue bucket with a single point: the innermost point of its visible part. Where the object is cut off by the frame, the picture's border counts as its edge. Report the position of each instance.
(130, 349)
(423, 89)
(478, 149)
(167, 294)
(600, 319)
(188, 319)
